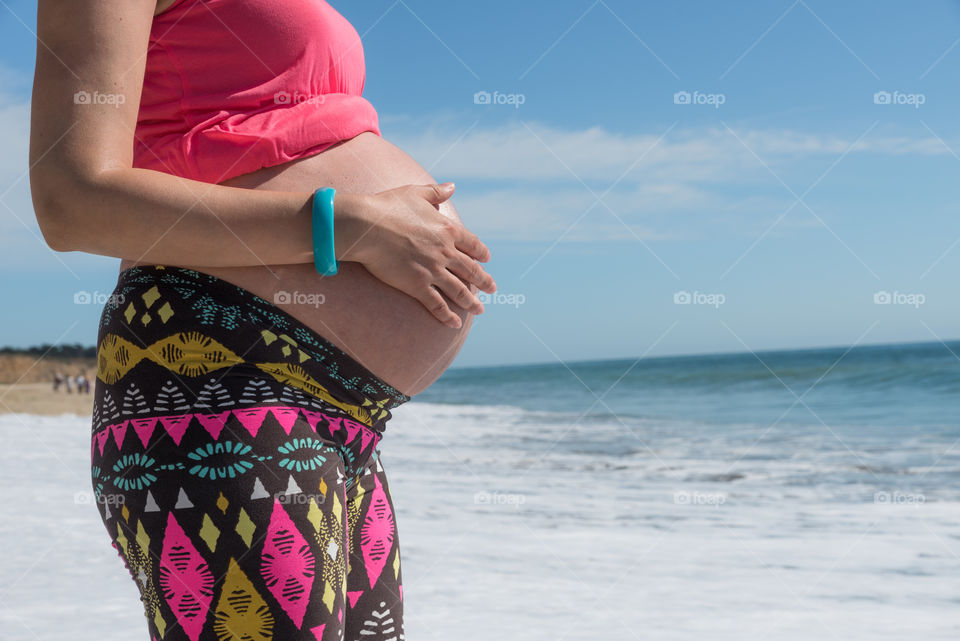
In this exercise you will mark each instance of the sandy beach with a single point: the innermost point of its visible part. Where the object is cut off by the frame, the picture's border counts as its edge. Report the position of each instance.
(26, 385)
(39, 398)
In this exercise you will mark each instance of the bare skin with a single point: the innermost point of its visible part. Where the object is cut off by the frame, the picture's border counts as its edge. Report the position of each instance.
(389, 332)
(403, 301)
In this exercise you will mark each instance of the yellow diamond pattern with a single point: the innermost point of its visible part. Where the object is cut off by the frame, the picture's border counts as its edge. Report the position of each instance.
(286, 350)
(323, 487)
(125, 512)
(222, 503)
(150, 296)
(314, 515)
(303, 355)
(241, 614)
(142, 539)
(210, 533)
(146, 318)
(296, 376)
(268, 336)
(328, 596)
(245, 527)
(337, 509)
(160, 623)
(165, 312)
(396, 565)
(130, 312)
(122, 539)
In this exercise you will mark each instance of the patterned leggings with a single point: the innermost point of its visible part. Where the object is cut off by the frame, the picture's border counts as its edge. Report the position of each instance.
(236, 468)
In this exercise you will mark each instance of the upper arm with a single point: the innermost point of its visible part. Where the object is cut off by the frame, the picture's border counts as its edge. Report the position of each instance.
(91, 56)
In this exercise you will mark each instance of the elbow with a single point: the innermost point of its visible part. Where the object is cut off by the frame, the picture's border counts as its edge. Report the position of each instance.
(53, 228)
(55, 205)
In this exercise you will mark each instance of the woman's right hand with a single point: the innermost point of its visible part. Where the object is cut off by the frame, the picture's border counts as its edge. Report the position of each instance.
(401, 238)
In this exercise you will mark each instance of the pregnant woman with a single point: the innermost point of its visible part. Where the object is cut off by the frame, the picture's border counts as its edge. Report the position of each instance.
(288, 277)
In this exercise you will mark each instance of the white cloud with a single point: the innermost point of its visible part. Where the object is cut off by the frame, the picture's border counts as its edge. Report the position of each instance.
(683, 184)
(535, 152)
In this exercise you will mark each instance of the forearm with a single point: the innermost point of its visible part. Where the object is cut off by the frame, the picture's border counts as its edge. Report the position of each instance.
(149, 216)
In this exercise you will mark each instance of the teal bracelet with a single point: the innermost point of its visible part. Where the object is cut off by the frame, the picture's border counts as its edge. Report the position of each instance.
(324, 258)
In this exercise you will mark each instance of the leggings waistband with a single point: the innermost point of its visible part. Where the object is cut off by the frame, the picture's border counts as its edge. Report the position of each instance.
(194, 325)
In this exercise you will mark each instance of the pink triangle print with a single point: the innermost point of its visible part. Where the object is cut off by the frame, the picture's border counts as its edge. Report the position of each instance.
(288, 564)
(318, 631)
(102, 439)
(185, 579)
(144, 428)
(286, 416)
(353, 596)
(119, 430)
(377, 532)
(252, 418)
(176, 425)
(335, 424)
(213, 423)
(312, 418)
(351, 427)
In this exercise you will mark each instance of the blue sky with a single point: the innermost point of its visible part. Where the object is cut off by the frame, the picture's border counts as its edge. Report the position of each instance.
(783, 198)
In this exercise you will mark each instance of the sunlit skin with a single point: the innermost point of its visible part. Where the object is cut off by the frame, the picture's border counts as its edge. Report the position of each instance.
(387, 331)
(406, 292)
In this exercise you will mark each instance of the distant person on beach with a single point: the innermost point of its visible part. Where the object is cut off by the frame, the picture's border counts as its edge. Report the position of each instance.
(57, 381)
(69, 382)
(287, 278)
(82, 386)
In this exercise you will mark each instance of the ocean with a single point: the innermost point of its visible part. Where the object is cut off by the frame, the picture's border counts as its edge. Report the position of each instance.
(782, 495)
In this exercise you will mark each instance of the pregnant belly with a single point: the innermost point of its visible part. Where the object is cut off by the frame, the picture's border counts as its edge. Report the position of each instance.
(388, 332)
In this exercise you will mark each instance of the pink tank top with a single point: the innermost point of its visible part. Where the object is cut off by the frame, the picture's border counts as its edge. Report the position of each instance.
(232, 86)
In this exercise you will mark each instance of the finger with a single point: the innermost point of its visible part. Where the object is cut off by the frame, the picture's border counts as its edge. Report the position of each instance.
(470, 272)
(470, 244)
(435, 304)
(459, 293)
(436, 194)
